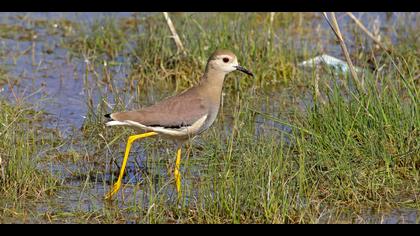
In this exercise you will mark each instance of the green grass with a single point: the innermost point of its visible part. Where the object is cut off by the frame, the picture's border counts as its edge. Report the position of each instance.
(22, 183)
(362, 155)
(345, 156)
(348, 152)
(149, 46)
(280, 151)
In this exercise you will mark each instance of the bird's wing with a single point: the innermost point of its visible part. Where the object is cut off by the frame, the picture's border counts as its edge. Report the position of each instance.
(175, 112)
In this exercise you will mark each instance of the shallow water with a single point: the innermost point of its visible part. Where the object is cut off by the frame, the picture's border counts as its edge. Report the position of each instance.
(60, 81)
(55, 83)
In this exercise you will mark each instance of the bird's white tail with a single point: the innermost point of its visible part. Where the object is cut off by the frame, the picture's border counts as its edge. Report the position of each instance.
(115, 122)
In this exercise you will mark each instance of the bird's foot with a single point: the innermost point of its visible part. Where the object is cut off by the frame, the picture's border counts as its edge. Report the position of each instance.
(114, 190)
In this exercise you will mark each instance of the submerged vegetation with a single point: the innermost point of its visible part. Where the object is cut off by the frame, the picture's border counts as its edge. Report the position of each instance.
(293, 145)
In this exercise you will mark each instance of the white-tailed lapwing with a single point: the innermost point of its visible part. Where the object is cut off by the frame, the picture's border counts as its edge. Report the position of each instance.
(180, 117)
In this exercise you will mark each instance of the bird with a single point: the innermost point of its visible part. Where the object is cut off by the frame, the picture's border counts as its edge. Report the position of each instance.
(180, 117)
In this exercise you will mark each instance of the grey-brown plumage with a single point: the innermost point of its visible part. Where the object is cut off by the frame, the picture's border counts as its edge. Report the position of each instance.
(173, 112)
(189, 113)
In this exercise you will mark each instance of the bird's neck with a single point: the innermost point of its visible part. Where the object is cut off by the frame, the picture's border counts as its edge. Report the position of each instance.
(211, 85)
(213, 79)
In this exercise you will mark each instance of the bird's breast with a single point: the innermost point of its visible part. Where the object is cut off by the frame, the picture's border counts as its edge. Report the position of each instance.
(211, 117)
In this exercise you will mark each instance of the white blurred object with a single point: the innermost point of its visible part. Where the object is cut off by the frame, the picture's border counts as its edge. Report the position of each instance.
(329, 61)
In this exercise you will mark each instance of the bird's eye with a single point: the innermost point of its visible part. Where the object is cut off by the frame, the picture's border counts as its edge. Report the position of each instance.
(225, 60)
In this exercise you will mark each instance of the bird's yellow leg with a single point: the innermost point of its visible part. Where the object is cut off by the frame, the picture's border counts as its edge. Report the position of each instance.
(176, 172)
(130, 141)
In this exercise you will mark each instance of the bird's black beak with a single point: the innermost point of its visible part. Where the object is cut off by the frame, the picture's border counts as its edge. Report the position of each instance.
(240, 68)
